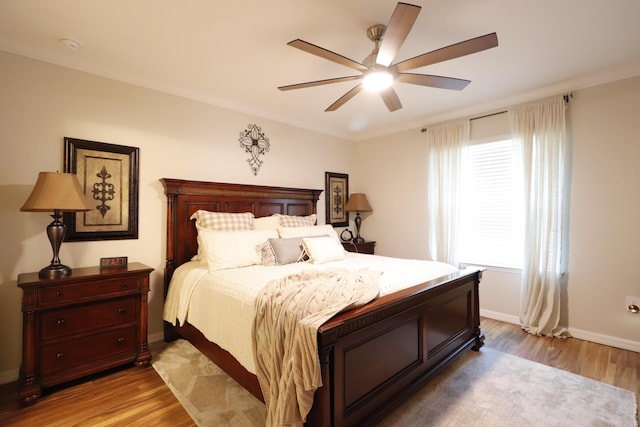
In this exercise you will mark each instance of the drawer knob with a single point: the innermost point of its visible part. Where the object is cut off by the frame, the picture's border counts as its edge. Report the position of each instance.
(60, 323)
(125, 284)
(59, 355)
(121, 340)
(59, 293)
(122, 310)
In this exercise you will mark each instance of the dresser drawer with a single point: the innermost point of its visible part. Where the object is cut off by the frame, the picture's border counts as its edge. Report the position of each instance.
(75, 292)
(67, 321)
(71, 354)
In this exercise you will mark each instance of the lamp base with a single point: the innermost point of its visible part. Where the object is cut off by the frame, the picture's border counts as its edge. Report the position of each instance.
(54, 271)
(55, 232)
(358, 221)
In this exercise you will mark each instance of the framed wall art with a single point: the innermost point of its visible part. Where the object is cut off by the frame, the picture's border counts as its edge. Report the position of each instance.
(336, 189)
(108, 175)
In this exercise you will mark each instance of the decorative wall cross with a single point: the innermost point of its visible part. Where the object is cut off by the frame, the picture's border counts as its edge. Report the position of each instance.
(103, 191)
(254, 142)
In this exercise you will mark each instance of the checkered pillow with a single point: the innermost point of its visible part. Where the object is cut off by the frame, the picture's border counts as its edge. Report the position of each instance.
(297, 221)
(223, 221)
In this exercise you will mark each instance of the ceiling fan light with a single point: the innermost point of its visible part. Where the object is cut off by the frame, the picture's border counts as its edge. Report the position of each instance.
(377, 80)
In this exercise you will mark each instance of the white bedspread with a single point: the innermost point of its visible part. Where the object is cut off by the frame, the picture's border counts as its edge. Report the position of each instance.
(222, 304)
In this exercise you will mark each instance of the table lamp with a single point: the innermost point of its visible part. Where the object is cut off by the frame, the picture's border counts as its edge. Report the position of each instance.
(57, 192)
(358, 203)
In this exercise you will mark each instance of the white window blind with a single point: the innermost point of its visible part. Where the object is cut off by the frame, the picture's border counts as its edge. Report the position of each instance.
(492, 217)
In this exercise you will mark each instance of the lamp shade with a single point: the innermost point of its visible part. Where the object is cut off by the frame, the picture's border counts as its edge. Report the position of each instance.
(357, 203)
(56, 191)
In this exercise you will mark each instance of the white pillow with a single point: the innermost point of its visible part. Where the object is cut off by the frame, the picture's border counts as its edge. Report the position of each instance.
(266, 223)
(323, 249)
(316, 230)
(231, 249)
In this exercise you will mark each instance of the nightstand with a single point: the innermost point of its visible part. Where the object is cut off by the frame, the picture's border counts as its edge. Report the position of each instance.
(362, 248)
(89, 321)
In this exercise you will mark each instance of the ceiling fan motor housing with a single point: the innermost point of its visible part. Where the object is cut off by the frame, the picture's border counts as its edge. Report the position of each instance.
(376, 32)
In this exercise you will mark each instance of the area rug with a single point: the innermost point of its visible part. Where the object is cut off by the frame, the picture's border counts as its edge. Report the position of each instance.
(486, 388)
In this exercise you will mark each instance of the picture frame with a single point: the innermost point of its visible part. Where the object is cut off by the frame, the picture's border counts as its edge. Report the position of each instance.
(336, 189)
(109, 176)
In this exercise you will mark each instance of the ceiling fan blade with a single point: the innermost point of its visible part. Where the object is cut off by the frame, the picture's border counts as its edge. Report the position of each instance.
(344, 98)
(319, 82)
(390, 98)
(326, 54)
(401, 22)
(432, 81)
(450, 52)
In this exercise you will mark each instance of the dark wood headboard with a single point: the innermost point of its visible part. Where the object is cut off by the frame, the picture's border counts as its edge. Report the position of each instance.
(185, 197)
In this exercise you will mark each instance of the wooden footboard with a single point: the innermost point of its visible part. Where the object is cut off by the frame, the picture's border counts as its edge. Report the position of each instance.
(376, 356)
(380, 354)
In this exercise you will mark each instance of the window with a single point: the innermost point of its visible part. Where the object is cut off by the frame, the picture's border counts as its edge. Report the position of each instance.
(492, 209)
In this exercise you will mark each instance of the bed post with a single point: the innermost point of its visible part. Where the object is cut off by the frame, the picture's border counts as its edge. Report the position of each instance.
(170, 333)
(477, 332)
(322, 411)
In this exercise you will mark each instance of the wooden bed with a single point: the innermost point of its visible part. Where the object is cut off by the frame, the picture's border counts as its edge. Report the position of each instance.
(372, 357)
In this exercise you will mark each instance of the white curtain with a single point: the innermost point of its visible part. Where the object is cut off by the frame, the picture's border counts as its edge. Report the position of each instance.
(539, 131)
(445, 149)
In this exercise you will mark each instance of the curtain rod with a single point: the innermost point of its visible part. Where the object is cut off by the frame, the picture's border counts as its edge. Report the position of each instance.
(424, 129)
(567, 97)
(488, 115)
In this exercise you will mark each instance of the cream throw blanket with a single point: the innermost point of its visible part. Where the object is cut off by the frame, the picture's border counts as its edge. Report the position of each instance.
(289, 312)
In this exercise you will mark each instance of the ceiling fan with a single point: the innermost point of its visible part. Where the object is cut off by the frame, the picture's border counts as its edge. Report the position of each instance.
(377, 70)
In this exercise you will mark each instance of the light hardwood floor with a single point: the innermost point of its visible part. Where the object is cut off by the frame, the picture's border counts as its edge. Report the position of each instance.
(139, 397)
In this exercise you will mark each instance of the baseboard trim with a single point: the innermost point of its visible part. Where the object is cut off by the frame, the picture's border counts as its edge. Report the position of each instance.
(605, 339)
(9, 376)
(158, 336)
(495, 315)
(576, 333)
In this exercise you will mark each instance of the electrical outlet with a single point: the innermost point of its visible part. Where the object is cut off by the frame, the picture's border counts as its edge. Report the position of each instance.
(633, 304)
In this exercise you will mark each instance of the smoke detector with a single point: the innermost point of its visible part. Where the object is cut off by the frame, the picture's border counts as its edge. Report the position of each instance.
(72, 44)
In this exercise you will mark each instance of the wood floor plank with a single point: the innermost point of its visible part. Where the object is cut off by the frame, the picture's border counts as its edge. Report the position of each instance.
(135, 397)
(125, 397)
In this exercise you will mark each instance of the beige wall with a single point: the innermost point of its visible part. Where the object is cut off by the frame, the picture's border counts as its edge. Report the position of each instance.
(605, 209)
(604, 219)
(40, 104)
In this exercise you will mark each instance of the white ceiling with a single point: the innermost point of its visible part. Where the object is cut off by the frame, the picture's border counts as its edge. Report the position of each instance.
(234, 54)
